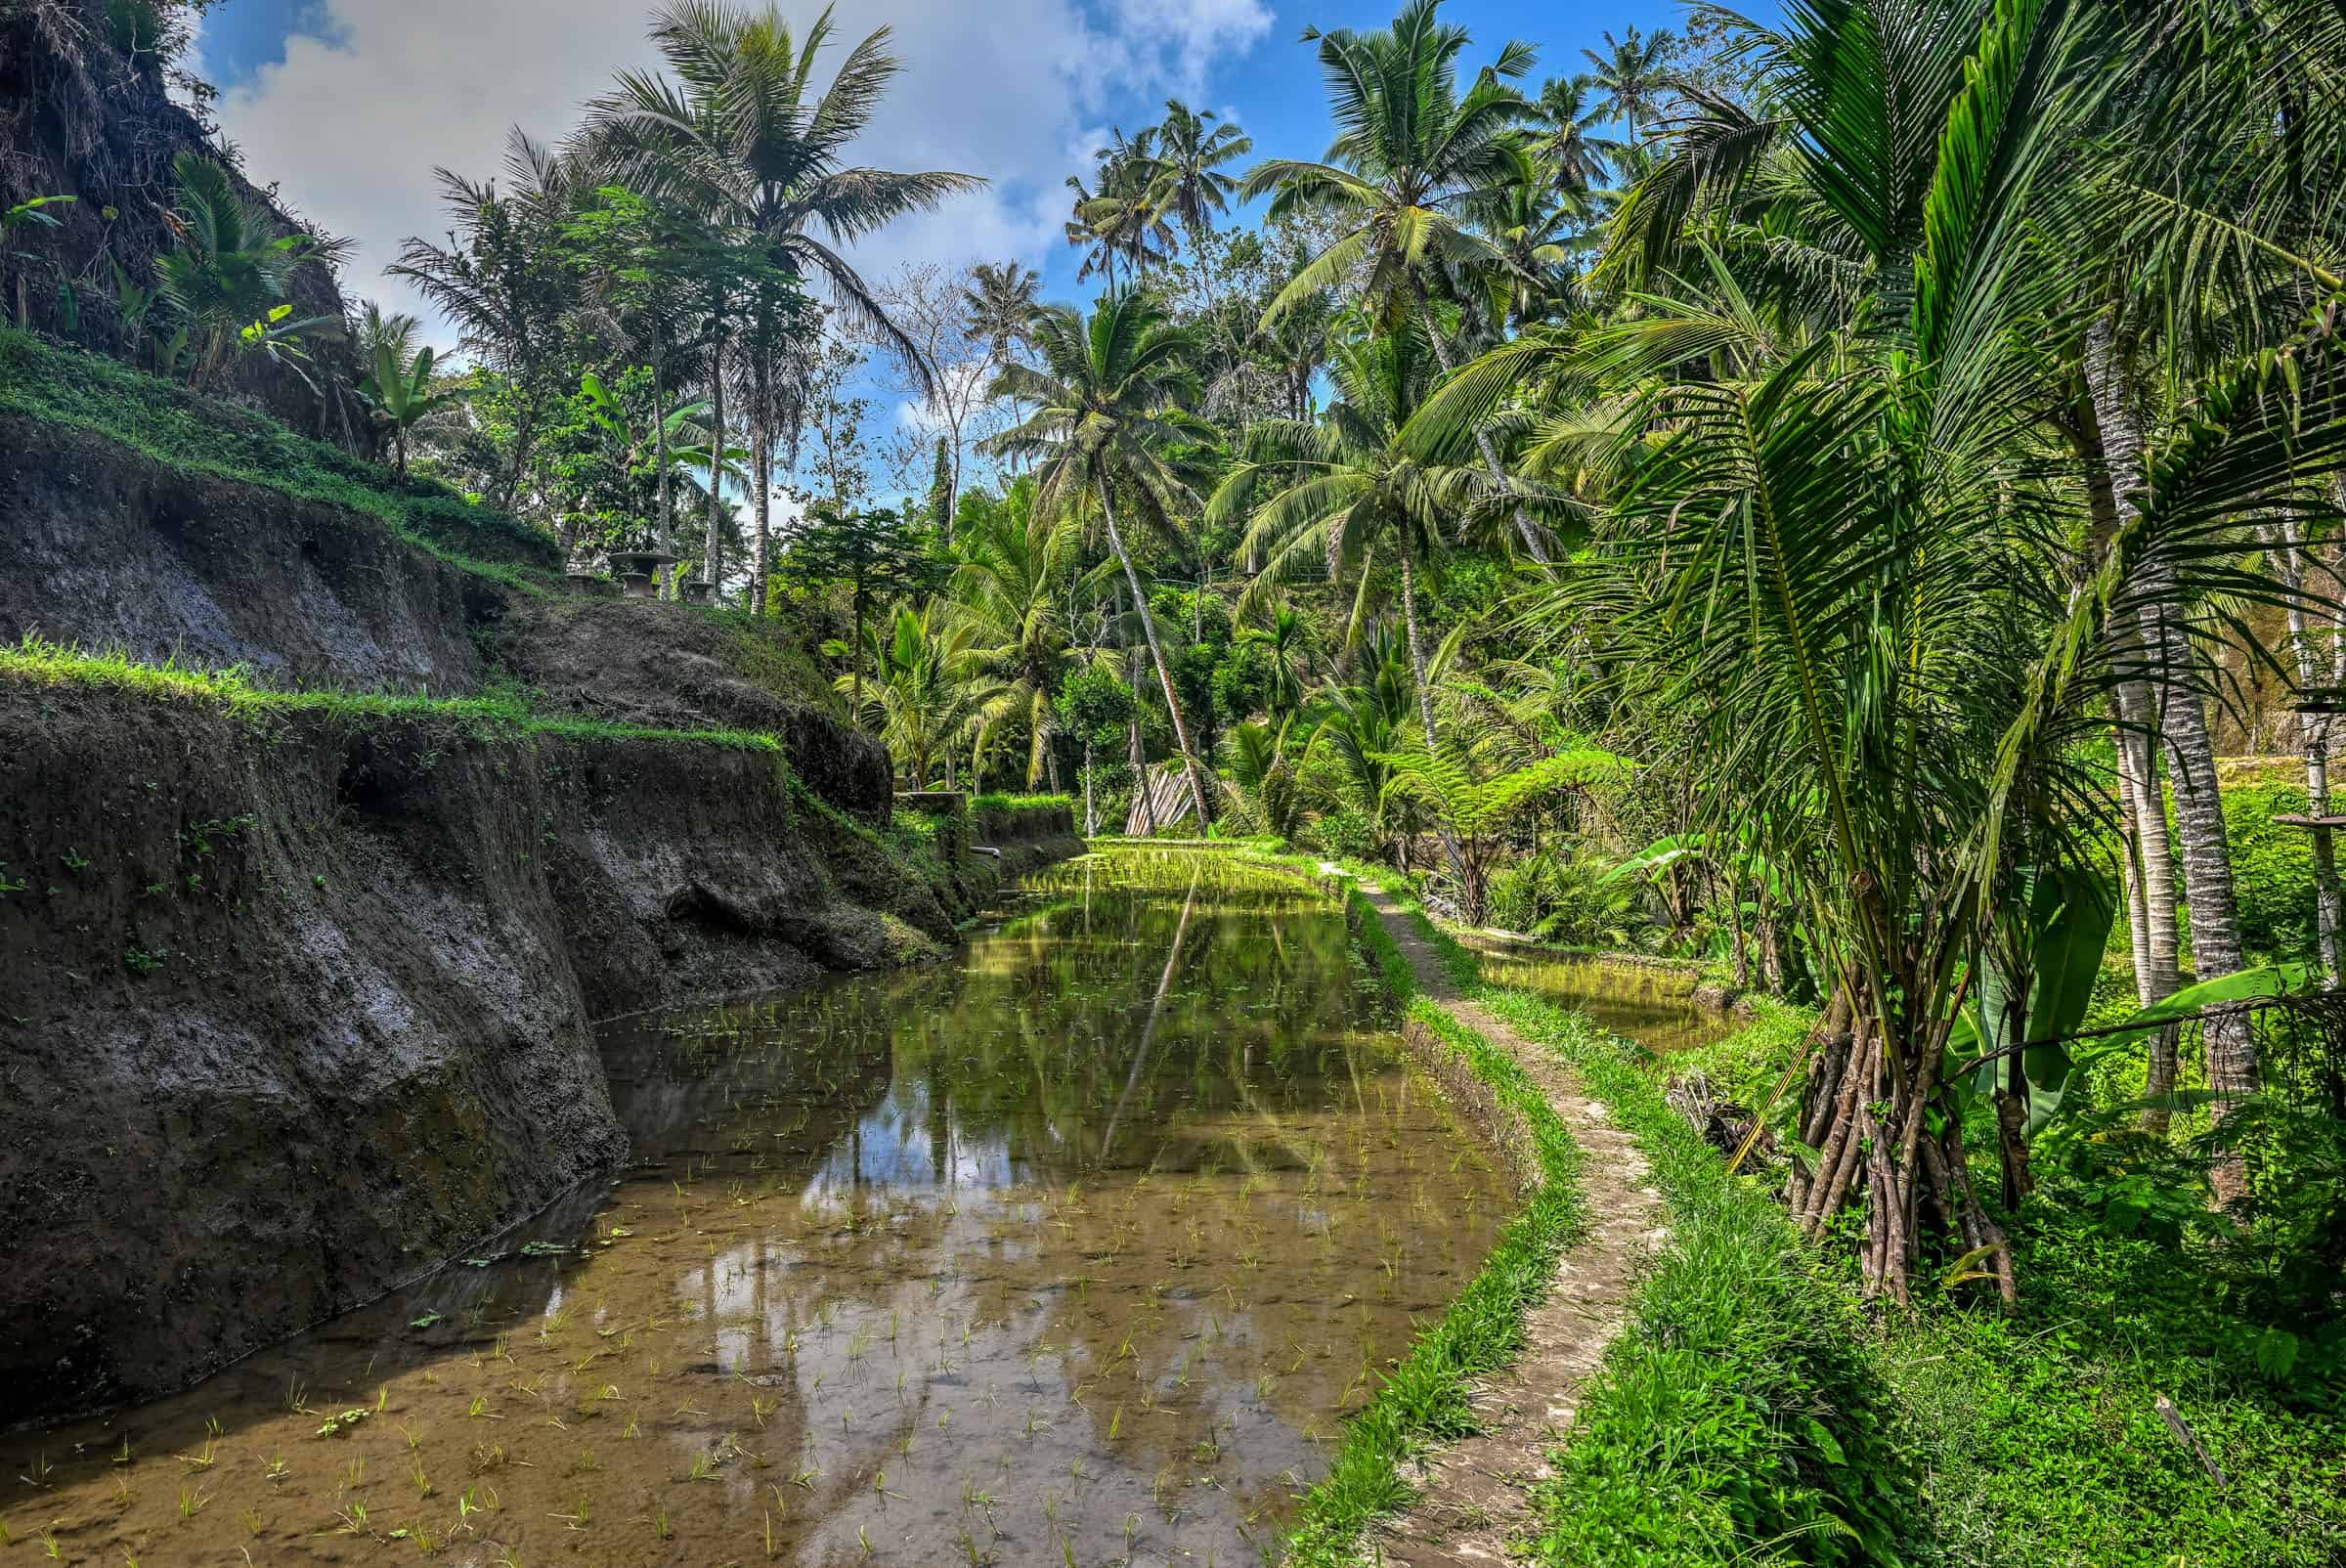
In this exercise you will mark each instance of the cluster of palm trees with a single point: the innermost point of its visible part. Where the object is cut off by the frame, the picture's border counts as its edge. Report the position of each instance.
(1172, 173)
(685, 222)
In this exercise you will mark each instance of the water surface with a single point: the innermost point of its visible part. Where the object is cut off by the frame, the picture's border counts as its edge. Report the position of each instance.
(1077, 1251)
(1652, 1003)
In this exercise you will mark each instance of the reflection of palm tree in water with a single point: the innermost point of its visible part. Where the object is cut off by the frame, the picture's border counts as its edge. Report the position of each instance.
(1156, 1008)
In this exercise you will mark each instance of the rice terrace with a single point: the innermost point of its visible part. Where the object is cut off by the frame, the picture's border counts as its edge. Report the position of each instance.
(1087, 784)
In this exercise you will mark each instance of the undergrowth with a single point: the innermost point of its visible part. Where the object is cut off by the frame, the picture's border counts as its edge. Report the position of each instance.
(195, 435)
(1755, 1411)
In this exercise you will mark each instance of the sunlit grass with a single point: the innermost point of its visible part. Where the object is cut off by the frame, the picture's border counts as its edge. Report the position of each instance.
(233, 690)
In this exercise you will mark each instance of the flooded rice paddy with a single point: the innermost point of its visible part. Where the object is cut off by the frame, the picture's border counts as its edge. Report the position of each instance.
(1077, 1251)
(1652, 1003)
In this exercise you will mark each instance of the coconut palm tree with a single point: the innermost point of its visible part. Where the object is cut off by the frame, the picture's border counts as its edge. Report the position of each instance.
(998, 304)
(1633, 73)
(1109, 395)
(1121, 214)
(1184, 168)
(1343, 490)
(1414, 156)
(1562, 140)
(744, 135)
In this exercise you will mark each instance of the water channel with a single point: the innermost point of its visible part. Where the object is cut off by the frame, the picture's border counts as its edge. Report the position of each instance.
(1078, 1249)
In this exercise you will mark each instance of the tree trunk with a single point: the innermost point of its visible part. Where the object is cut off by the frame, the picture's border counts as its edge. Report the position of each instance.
(761, 454)
(1425, 713)
(2232, 1066)
(2149, 865)
(667, 521)
(1091, 809)
(2314, 733)
(1164, 672)
(713, 568)
(1481, 438)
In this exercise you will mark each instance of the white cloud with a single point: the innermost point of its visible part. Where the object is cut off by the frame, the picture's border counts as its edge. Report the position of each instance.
(351, 123)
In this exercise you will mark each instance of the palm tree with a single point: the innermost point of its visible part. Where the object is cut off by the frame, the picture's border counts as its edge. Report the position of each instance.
(1633, 73)
(228, 268)
(1414, 156)
(999, 302)
(745, 137)
(398, 377)
(1011, 591)
(492, 284)
(1883, 608)
(1123, 215)
(920, 697)
(1573, 158)
(1109, 393)
(1285, 639)
(1345, 490)
(1185, 177)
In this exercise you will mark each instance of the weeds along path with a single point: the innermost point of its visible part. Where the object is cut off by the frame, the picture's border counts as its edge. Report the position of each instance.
(1474, 1497)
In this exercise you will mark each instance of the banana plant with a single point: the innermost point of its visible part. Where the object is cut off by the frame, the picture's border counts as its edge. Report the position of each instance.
(399, 384)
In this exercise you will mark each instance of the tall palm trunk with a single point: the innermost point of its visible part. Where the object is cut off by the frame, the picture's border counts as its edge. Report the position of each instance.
(1481, 438)
(667, 521)
(1165, 671)
(1468, 885)
(713, 568)
(2314, 733)
(2232, 1064)
(2149, 865)
(762, 454)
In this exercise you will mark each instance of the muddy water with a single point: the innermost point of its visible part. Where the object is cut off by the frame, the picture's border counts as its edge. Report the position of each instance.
(1077, 1251)
(1651, 1004)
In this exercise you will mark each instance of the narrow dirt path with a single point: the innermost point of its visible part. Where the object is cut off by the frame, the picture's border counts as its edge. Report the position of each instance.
(1473, 1497)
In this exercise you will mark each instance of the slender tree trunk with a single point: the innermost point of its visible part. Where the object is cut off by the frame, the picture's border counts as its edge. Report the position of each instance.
(2232, 1064)
(762, 454)
(1091, 809)
(1425, 713)
(2149, 865)
(1136, 753)
(713, 568)
(525, 436)
(1481, 438)
(667, 521)
(1165, 671)
(2314, 733)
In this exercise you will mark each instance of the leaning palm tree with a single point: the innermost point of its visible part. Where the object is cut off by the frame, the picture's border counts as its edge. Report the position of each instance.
(1185, 172)
(1414, 156)
(1108, 396)
(744, 136)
